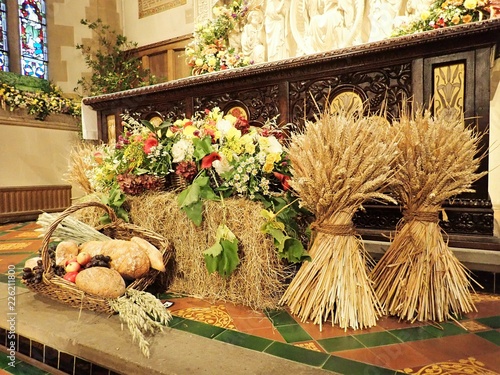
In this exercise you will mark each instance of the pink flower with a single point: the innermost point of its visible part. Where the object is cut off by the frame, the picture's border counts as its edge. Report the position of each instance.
(207, 161)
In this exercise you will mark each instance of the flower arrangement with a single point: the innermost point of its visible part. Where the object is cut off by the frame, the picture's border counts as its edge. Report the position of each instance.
(218, 155)
(39, 104)
(444, 13)
(210, 51)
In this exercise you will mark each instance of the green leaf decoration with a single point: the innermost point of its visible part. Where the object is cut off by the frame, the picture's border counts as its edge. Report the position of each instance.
(288, 248)
(189, 196)
(223, 255)
(194, 212)
(202, 147)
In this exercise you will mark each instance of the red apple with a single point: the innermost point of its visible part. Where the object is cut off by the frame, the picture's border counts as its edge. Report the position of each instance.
(72, 266)
(70, 276)
(68, 261)
(83, 258)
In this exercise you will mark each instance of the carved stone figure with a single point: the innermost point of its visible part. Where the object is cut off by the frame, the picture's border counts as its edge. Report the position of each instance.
(383, 14)
(276, 29)
(253, 37)
(323, 25)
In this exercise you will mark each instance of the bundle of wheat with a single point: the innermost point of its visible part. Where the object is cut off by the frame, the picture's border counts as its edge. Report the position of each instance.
(419, 278)
(340, 161)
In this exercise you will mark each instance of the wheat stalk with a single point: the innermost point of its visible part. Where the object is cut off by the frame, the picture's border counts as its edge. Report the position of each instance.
(419, 278)
(338, 162)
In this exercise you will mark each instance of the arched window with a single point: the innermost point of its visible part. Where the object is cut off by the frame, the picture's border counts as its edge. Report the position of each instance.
(4, 55)
(23, 37)
(32, 33)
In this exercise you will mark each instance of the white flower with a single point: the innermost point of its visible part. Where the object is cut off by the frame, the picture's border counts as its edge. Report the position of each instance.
(223, 126)
(274, 146)
(182, 150)
(221, 166)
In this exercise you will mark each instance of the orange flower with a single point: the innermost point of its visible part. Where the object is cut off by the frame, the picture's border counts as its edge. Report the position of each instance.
(455, 20)
(467, 18)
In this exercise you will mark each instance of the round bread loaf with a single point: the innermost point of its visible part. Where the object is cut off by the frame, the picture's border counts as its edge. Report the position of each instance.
(101, 281)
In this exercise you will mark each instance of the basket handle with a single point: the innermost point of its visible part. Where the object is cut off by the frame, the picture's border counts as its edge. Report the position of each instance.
(44, 253)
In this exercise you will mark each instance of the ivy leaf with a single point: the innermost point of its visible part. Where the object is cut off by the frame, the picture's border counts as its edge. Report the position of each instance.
(211, 256)
(189, 196)
(294, 251)
(195, 212)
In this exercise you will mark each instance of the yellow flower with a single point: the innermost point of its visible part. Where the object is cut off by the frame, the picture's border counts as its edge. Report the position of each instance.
(212, 61)
(229, 117)
(189, 130)
(199, 62)
(455, 20)
(233, 133)
(270, 160)
(470, 4)
(425, 15)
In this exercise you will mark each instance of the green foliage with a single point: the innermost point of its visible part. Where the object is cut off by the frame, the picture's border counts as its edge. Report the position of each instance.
(26, 83)
(288, 248)
(112, 62)
(223, 255)
(191, 199)
(115, 199)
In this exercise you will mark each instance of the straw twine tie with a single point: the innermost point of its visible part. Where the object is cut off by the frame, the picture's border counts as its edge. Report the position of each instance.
(425, 216)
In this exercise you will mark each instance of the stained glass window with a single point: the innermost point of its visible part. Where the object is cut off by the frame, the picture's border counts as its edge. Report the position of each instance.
(33, 32)
(4, 57)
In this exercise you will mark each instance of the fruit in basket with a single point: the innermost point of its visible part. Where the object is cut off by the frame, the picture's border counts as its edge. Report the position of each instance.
(72, 266)
(65, 251)
(83, 258)
(101, 281)
(70, 276)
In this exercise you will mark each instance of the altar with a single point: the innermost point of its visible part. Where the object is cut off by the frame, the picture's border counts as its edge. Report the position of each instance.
(444, 70)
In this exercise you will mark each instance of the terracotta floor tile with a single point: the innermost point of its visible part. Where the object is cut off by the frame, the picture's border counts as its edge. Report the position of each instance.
(485, 309)
(245, 324)
(392, 322)
(6, 260)
(464, 366)
(454, 347)
(185, 302)
(364, 355)
(243, 311)
(490, 361)
(327, 330)
(400, 356)
(268, 333)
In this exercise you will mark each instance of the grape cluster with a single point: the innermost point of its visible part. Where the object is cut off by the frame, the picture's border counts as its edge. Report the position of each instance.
(59, 270)
(33, 276)
(99, 260)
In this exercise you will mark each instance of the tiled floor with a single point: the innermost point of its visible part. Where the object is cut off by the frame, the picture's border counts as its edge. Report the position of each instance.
(468, 346)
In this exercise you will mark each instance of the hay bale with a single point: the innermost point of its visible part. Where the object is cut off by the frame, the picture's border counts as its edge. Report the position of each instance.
(258, 282)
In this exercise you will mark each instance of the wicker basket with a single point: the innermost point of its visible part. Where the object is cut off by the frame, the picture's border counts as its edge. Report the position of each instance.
(57, 288)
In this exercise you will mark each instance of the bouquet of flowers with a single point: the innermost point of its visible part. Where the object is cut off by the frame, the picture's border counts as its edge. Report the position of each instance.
(210, 50)
(444, 13)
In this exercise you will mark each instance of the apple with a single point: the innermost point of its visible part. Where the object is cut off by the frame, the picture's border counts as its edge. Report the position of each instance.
(83, 258)
(70, 276)
(68, 261)
(72, 266)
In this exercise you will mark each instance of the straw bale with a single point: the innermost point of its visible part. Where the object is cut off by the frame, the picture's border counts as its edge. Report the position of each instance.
(258, 282)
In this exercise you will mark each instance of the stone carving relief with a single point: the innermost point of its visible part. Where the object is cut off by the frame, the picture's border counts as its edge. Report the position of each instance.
(278, 29)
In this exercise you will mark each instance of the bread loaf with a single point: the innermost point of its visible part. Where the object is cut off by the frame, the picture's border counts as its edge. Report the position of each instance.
(127, 258)
(154, 255)
(66, 250)
(101, 281)
(92, 247)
